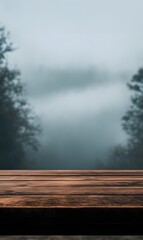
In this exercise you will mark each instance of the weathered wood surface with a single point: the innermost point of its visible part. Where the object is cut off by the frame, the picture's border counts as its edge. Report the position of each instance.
(71, 202)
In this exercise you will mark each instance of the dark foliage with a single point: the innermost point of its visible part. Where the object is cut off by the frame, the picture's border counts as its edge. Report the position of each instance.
(17, 121)
(131, 155)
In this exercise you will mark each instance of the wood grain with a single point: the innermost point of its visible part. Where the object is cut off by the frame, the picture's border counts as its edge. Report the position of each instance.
(53, 199)
(83, 186)
(72, 172)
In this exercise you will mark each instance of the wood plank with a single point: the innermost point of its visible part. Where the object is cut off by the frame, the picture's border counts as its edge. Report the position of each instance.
(76, 201)
(27, 190)
(70, 178)
(72, 172)
(71, 202)
(70, 183)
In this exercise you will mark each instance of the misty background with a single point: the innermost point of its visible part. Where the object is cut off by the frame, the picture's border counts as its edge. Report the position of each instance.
(76, 57)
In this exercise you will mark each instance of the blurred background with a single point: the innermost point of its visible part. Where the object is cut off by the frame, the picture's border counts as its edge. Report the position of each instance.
(75, 58)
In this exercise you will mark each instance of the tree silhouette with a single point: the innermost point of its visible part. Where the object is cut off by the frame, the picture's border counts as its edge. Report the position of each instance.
(131, 155)
(18, 127)
(132, 122)
(133, 119)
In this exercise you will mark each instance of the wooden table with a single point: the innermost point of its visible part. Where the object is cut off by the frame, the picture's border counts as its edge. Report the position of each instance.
(57, 202)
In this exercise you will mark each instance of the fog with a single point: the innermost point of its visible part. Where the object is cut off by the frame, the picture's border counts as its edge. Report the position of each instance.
(81, 119)
(76, 57)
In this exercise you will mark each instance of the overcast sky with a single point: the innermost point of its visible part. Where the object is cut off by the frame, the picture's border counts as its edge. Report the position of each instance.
(76, 57)
(106, 33)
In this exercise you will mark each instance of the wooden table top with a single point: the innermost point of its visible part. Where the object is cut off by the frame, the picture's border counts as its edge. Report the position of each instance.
(48, 188)
(76, 199)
